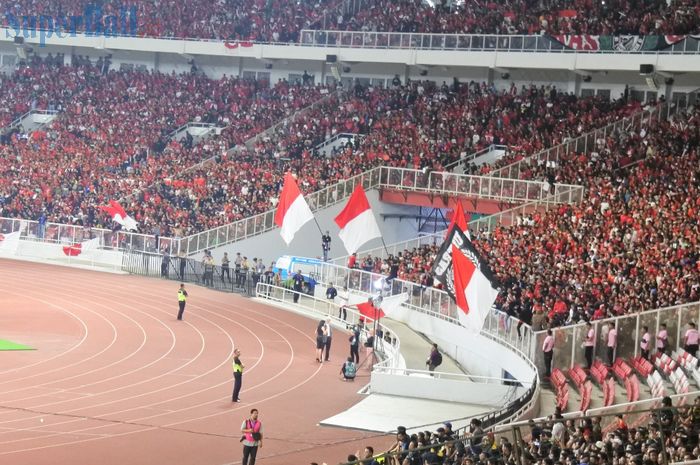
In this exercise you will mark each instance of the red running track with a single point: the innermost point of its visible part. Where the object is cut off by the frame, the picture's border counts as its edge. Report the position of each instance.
(117, 379)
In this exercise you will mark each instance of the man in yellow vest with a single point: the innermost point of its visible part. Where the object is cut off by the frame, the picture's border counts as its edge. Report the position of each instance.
(237, 375)
(181, 300)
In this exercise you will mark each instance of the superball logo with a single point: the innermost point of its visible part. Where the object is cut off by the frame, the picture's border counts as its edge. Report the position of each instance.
(92, 23)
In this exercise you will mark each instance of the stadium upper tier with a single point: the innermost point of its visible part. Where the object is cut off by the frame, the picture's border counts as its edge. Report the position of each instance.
(283, 20)
(110, 140)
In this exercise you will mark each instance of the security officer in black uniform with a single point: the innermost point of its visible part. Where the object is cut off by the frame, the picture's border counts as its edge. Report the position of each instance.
(237, 375)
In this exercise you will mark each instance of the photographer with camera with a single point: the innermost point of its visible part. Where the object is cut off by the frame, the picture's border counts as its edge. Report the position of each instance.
(252, 437)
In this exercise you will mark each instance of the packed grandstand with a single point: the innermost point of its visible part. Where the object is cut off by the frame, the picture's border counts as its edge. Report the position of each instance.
(283, 20)
(630, 245)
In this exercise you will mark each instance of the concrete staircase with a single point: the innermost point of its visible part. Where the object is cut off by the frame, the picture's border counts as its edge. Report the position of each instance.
(33, 120)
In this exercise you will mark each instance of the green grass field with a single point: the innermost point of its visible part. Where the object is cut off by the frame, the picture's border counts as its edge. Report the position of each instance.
(9, 345)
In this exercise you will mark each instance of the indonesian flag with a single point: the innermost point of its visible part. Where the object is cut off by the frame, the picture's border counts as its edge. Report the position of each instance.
(369, 311)
(119, 215)
(76, 249)
(9, 242)
(466, 278)
(356, 222)
(390, 305)
(460, 220)
(292, 211)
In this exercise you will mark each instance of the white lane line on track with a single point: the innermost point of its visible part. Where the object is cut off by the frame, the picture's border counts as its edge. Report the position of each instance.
(150, 392)
(95, 355)
(228, 381)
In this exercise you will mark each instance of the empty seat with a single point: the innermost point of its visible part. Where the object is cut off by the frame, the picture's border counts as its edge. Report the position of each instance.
(634, 384)
(586, 393)
(599, 372)
(558, 379)
(608, 392)
(577, 376)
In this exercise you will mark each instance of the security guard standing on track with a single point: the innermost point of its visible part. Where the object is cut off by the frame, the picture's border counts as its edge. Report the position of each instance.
(181, 300)
(237, 375)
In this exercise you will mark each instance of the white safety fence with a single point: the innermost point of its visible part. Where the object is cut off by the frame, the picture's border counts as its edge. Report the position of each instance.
(388, 347)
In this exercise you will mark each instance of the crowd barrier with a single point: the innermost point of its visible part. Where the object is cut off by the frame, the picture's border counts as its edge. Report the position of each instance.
(189, 270)
(471, 42)
(71, 234)
(485, 224)
(386, 345)
(586, 142)
(568, 349)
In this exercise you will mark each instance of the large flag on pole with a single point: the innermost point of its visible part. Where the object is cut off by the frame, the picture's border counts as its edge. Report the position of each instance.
(292, 211)
(467, 279)
(459, 219)
(119, 215)
(356, 222)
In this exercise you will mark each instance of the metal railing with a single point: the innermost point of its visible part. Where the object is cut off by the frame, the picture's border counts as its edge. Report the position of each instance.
(17, 121)
(189, 270)
(428, 300)
(635, 415)
(481, 187)
(627, 408)
(192, 124)
(473, 156)
(386, 344)
(485, 224)
(395, 40)
(67, 234)
(341, 135)
(263, 222)
(583, 144)
(463, 42)
(568, 339)
(388, 177)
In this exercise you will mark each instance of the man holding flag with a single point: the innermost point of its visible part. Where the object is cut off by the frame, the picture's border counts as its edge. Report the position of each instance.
(467, 279)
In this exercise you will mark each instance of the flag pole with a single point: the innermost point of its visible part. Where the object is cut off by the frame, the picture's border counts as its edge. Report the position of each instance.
(318, 226)
(385, 248)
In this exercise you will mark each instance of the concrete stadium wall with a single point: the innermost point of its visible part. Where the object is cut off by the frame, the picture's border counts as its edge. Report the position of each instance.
(614, 70)
(49, 253)
(479, 355)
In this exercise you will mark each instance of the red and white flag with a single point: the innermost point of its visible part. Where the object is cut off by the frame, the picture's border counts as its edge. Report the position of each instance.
(292, 211)
(77, 249)
(369, 311)
(459, 219)
(119, 215)
(9, 242)
(356, 222)
(466, 278)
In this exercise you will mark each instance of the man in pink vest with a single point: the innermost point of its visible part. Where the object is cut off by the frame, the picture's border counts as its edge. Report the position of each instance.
(644, 342)
(252, 437)
(691, 339)
(548, 351)
(662, 339)
(612, 343)
(588, 344)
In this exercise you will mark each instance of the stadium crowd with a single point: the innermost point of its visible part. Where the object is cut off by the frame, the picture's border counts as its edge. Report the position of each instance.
(112, 137)
(631, 245)
(524, 17)
(632, 234)
(402, 133)
(127, 116)
(669, 434)
(283, 20)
